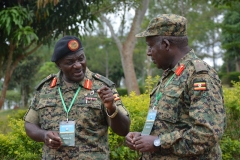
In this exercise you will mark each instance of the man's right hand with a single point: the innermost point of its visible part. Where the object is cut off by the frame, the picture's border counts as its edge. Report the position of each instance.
(130, 139)
(52, 140)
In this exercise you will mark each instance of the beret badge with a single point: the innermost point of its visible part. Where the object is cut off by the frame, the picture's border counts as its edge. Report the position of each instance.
(73, 45)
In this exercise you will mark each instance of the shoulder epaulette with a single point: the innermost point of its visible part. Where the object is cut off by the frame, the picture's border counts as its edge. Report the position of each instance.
(103, 79)
(200, 66)
(44, 80)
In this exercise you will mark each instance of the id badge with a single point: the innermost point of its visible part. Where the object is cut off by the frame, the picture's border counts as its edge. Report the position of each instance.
(149, 122)
(67, 132)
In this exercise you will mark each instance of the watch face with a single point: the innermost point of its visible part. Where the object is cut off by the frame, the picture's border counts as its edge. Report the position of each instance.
(157, 142)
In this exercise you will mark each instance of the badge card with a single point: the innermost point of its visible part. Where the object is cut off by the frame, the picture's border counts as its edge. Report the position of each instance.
(149, 122)
(67, 132)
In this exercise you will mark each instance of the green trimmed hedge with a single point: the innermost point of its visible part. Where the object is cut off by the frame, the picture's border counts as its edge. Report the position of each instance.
(228, 78)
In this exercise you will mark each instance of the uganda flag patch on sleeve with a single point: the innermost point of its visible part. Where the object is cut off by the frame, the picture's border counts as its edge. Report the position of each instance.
(200, 86)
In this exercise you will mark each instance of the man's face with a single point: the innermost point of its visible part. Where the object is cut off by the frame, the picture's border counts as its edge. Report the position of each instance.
(158, 52)
(73, 66)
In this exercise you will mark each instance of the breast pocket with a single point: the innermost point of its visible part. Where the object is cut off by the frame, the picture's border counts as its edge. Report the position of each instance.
(90, 113)
(169, 104)
(49, 113)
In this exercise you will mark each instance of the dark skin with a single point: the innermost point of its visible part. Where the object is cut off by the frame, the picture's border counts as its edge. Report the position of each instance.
(165, 55)
(73, 68)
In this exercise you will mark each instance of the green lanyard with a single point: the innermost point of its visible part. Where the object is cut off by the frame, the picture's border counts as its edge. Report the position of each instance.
(64, 106)
(159, 95)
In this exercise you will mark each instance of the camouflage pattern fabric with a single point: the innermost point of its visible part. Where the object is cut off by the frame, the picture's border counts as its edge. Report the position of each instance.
(91, 139)
(190, 118)
(166, 25)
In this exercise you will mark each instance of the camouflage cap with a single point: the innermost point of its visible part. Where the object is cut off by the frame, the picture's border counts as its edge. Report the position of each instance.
(166, 25)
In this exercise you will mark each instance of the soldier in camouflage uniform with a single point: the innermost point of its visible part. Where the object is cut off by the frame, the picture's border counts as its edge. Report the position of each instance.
(188, 99)
(96, 106)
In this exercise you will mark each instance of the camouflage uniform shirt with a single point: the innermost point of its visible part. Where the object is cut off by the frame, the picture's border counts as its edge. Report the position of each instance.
(88, 112)
(190, 118)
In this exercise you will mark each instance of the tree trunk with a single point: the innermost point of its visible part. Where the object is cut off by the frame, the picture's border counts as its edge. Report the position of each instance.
(24, 96)
(214, 57)
(10, 68)
(107, 70)
(7, 75)
(182, 8)
(237, 64)
(129, 71)
(1, 66)
(126, 49)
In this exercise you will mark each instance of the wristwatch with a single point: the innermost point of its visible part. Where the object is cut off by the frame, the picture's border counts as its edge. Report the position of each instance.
(157, 142)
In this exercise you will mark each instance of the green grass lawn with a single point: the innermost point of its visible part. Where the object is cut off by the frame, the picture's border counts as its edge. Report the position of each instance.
(5, 113)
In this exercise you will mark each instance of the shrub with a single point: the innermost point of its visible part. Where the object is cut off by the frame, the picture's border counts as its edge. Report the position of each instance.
(16, 144)
(230, 143)
(220, 75)
(138, 108)
(122, 91)
(13, 95)
(228, 78)
(234, 76)
(17, 114)
(232, 104)
(230, 148)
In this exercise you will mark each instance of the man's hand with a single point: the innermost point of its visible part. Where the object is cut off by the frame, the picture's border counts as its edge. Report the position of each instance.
(107, 97)
(136, 141)
(144, 143)
(52, 140)
(130, 139)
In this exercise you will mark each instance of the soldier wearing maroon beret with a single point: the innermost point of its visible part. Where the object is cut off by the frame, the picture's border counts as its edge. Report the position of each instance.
(186, 117)
(72, 110)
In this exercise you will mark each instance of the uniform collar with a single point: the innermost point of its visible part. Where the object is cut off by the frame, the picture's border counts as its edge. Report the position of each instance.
(88, 75)
(184, 60)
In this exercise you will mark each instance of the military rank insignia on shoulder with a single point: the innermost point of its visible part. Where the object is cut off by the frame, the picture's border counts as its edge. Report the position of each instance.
(51, 76)
(103, 79)
(200, 66)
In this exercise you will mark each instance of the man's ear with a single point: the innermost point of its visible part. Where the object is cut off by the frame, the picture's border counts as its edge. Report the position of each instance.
(166, 43)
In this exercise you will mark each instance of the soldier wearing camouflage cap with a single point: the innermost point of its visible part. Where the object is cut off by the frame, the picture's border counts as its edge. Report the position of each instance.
(186, 117)
(72, 110)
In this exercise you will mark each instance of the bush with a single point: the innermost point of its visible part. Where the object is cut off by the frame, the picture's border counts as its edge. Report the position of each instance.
(13, 95)
(16, 144)
(230, 143)
(220, 75)
(230, 148)
(228, 78)
(232, 103)
(122, 91)
(138, 108)
(234, 76)
(15, 114)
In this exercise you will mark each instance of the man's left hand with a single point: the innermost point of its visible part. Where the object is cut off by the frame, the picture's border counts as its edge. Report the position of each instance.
(145, 143)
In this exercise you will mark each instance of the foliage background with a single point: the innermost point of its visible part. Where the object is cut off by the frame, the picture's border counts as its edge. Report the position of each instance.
(204, 35)
(15, 144)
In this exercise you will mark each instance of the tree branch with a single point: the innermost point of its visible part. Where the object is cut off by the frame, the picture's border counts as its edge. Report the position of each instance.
(114, 36)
